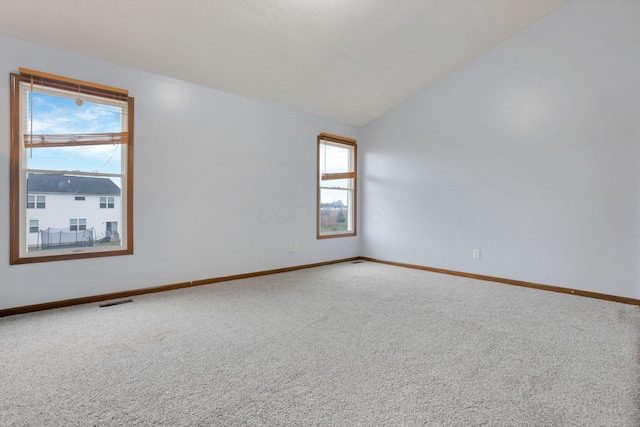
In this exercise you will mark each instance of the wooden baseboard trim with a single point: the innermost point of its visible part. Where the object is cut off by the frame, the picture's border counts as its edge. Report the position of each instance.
(596, 295)
(135, 292)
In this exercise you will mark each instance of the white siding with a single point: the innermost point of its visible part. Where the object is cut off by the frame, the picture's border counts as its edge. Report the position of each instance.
(60, 208)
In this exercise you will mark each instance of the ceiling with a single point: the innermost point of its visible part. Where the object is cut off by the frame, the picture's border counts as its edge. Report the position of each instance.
(348, 60)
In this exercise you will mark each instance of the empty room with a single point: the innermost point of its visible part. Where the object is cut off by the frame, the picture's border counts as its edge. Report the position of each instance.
(320, 212)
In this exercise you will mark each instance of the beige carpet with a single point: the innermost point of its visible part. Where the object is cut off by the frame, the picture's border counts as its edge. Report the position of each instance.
(344, 345)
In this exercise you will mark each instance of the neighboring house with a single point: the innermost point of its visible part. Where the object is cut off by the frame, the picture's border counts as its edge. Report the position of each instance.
(89, 207)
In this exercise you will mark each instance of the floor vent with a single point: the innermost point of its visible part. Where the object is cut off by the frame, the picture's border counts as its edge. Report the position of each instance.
(357, 262)
(109, 304)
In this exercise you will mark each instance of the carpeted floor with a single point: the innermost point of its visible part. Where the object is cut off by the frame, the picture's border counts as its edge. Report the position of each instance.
(344, 345)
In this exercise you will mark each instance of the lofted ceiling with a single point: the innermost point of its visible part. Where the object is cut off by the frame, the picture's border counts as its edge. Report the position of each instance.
(348, 60)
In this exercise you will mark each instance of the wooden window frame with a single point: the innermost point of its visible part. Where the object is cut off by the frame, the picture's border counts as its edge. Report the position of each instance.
(17, 205)
(352, 143)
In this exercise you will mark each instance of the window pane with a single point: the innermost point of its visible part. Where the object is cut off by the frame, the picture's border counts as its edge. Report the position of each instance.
(95, 159)
(87, 223)
(59, 118)
(336, 211)
(335, 158)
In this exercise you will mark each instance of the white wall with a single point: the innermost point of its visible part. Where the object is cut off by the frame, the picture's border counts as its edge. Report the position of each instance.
(530, 153)
(222, 185)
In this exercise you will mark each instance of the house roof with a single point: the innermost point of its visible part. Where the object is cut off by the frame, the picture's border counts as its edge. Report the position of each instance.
(69, 184)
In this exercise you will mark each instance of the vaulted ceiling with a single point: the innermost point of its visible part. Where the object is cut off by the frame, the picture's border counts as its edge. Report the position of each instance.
(349, 60)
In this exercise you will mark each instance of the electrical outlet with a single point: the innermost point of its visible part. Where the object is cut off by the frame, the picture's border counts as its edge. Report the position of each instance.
(290, 247)
(476, 254)
(295, 247)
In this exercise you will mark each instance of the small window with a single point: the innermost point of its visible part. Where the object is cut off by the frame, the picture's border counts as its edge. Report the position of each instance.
(76, 224)
(37, 202)
(107, 202)
(337, 176)
(34, 226)
(69, 138)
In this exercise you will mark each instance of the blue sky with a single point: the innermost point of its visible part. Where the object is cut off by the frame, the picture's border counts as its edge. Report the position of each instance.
(59, 115)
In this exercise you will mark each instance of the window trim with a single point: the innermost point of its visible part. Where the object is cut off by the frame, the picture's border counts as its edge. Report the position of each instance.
(348, 175)
(18, 183)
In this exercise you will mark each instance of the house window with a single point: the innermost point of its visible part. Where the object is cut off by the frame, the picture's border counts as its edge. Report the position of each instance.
(112, 229)
(107, 202)
(36, 202)
(68, 138)
(337, 179)
(34, 226)
(79, 224)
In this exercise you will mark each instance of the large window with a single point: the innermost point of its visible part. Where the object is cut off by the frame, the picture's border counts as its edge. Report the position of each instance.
(70, 141)
(337, 183)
